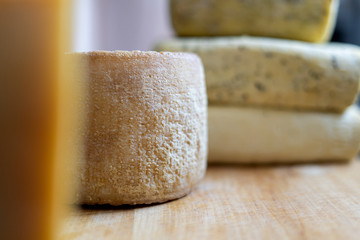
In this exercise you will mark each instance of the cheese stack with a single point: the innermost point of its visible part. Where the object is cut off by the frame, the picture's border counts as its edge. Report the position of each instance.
(273, 100)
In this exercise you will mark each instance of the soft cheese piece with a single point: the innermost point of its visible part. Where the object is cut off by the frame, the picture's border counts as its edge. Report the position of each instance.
(306, 20)
(246, 135)
(276, 73)
(147, 134)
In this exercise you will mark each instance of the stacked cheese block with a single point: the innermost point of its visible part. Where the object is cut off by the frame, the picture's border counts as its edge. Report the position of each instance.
(273, 99)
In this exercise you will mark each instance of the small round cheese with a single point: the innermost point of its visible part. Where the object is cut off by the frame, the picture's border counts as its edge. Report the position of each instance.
(146, 140)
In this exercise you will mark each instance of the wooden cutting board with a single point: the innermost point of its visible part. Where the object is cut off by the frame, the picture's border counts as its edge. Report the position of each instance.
(312, 201)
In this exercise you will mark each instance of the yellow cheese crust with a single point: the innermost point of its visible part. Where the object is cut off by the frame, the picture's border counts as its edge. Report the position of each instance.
(147, 131)
(306, 20)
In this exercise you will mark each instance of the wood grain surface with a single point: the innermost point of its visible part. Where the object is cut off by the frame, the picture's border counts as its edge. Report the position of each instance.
(313, 201)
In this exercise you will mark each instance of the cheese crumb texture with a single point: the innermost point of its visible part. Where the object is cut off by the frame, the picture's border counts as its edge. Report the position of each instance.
(147, 130)
(252, 71)
(305, 20)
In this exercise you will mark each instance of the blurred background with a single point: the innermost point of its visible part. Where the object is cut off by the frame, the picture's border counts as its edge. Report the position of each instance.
(120, 24)
(139, 24)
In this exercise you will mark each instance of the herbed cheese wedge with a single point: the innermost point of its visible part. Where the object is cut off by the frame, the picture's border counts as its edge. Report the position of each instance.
(253, 71)
(246, 135)
(306, 20)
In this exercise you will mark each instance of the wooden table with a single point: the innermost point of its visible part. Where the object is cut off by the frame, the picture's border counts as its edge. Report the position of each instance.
(312, 201)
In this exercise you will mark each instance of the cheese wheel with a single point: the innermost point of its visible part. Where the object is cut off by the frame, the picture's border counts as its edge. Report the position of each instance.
(147, 130)
(305, 20)
(252, 71)
(245, 135)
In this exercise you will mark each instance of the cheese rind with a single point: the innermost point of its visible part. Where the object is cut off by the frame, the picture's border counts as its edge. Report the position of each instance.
(147, 135)
(245, 135)
(252, 71)
(305, 20)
